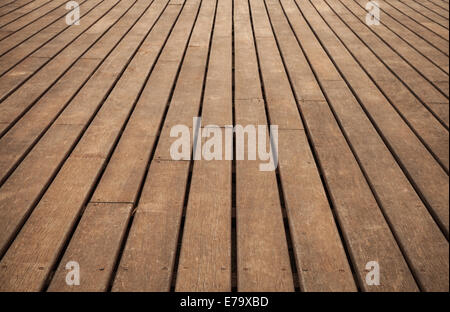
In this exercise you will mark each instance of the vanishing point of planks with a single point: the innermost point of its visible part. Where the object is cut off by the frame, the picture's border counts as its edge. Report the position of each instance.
(86, 174)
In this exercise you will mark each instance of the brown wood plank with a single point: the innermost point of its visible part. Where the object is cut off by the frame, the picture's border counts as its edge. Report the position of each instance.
(408, 65)
(22, 135)
(149, 265)
(393, 191)
(263, 262)
(17, 36)
(428, 176)
(78, 113)
(86, 175)
(78, 174)
(321, 259)
(362, 222)
(22, 11)
(106, 220)
(128, 143)
(428, 128)
(20, 101)
(29, 18)
(420, 30)
(428, 50)
(13, 5)
(187, 92)
(441, 3)
(135, 124)
(431, 6)
(418, 19)
(428, 14)
(148, 259)
(40, 32)
(18, 70)
(205, 258)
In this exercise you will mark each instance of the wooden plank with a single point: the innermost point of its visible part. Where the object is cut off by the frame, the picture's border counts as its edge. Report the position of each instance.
(10, 7)
(29, 260)
(20, 138)
(433, 7)
(321, 259)
(410, 24)
(262, 254)
(419, 19)
(18, 70)
(433, 54)
(408, 65)
(15, 105)
(105, 220)
(39, 32)
(428, 176)
(86, 160)
(205, 258)
(393, 192)
(188, 90)
(440, 3)
(428, 128)
(35, 15)
(22, 190)
(98, 85)
(22, 11)
(428, 14)
(15, 144)
(123, 176)
(93, 146)
(15, 37)
(362, 223)
(23, 98)
(147, 265)
(148, 259)
(127, 141)
(78, 113)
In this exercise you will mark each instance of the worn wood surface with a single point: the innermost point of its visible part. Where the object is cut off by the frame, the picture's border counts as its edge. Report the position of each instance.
(87, 175)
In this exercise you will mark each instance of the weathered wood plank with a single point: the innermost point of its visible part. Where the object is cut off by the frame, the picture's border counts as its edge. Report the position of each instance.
(35, 15)
(362, 222)
(22, 135)
(420, 30)
(17, 36)
(29, 91)
(78, 175)
(408, 65)
(425, 124)
(263, 262)
(205, 258)
(429, 177)
(321, 259)
(22, 11)
(96, 257)
(78, 113)
(418, 19)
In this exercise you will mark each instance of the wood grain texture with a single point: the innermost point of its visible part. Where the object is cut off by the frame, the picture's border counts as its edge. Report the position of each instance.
(262, 254)
(205, 256)
(87, 175)
(321, 259)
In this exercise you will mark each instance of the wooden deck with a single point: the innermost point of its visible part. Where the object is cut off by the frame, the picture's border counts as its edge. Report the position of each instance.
(86, 175)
